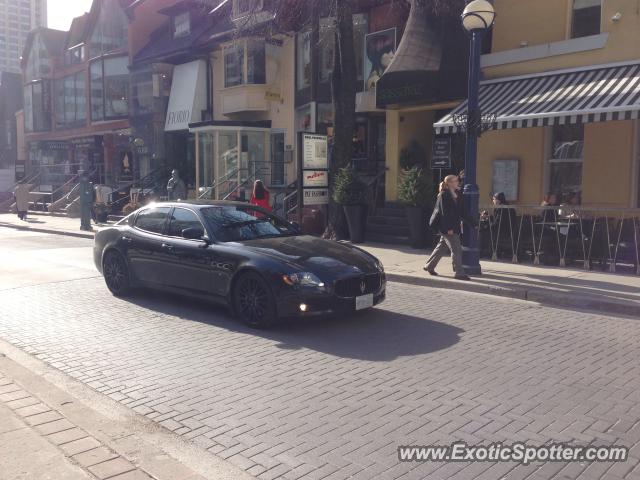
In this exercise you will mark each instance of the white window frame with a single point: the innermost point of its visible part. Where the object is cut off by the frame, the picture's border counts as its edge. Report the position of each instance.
(572, 9)
(178, 20)
(244, 45)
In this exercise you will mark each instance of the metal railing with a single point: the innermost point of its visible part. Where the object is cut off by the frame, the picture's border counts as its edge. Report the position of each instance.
(562, 235)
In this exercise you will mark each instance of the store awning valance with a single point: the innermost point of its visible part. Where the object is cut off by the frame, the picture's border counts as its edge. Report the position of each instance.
(601, 93)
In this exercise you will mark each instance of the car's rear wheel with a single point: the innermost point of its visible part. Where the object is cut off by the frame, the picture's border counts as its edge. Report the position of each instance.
(253, 301)
(116, 274)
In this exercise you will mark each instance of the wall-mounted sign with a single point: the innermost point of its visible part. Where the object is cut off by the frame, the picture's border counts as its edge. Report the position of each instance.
(314, 151)
(188, 96)
(315, 178)
(505, 179)
(316, 196)
(379, 50)
(441, 153)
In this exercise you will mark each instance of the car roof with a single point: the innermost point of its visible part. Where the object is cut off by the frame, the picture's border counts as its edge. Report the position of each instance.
(201, 203)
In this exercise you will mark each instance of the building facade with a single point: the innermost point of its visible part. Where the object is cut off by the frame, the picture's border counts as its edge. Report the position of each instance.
(563, 78)
(76, 91)
(17, 19)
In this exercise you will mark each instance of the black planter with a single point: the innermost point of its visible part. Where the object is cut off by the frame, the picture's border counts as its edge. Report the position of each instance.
(417, 218)
(356, 221)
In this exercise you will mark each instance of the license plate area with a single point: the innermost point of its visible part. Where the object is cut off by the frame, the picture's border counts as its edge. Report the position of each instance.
(364, 301)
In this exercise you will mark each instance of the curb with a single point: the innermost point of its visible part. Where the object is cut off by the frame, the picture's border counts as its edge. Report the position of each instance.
(544, 297)
(48, 230)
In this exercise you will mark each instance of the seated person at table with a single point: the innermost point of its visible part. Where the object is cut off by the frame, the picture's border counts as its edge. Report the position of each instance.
(502, 223)
(570, 209)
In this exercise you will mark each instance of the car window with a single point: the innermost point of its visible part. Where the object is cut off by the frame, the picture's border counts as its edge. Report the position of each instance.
(235, 224)
(182, 218)
(152, 219)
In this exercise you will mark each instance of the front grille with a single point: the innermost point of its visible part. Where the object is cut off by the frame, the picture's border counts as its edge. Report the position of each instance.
(352, 287)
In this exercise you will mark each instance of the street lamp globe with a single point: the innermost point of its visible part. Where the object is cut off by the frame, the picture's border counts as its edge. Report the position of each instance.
(478, 15)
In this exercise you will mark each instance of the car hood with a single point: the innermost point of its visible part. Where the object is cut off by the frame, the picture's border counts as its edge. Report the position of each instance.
(322, 257)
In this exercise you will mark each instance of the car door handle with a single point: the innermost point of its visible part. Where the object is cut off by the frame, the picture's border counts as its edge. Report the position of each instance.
(126, 239)
(168, 247)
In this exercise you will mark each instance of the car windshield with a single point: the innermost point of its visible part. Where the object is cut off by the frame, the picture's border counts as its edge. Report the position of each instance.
(239, 223)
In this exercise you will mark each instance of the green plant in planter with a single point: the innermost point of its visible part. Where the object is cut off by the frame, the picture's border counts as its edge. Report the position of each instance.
(412, 156)
(348, 189)
(415, 189)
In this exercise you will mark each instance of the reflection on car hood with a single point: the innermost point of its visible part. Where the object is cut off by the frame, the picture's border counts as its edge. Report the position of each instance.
(315, 254)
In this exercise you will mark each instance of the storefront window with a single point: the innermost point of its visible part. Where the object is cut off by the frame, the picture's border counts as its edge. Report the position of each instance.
(325, 118)
(233, 65)
(109, 88)
(305, 119)
(256, 66)
(586, 18)
(71, 100)
(303, 59)
(327, 28)
(38, 62)
(142, 92)
(206, 149)
(327, 47)
(37, 110)
(74, 55)
(110, 32)
(566, 159)
(228, 153)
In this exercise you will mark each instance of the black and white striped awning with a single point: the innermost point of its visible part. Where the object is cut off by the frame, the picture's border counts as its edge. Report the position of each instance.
(596, 94)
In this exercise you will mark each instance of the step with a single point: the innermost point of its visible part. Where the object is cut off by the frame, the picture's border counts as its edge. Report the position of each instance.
(387, 238)
(388, 221)
(388, 229)
(391, 212)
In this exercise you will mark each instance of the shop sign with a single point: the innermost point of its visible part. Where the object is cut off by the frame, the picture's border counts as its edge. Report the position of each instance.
(441, 153)
(272, 96)
(316, 196)
(314, 151)
(54, 145)
(315, 178)
(87, 142)
(188, 96)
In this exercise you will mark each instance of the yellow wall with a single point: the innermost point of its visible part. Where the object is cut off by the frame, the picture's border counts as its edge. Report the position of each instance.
(524, 144)
(543, 21)
(402, 129)
(608, 159)
(533, 21)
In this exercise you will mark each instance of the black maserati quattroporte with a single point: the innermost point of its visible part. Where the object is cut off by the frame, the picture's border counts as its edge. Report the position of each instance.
(240, 255)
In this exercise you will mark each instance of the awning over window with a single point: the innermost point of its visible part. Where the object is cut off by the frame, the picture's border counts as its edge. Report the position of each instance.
(600, 93)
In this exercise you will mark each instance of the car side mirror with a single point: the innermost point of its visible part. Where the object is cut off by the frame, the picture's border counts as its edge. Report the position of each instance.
(193, 233)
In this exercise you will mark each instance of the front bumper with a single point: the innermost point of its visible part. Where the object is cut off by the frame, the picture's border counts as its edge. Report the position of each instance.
(321, 303)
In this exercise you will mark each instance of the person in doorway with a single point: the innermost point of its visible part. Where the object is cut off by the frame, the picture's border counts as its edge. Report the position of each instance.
(176, 189)
(260, 196)
(447, 218)
(87, 199)
(21, 196)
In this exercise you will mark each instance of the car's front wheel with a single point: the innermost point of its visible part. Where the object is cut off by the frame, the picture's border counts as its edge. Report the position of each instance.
(116, 274)
(253, 301)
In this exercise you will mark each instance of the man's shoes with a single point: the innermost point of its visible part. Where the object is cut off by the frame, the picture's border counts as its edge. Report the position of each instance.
(462, 277)
(430, 271)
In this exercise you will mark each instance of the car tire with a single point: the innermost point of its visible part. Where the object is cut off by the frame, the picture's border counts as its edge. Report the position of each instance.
(116, 274)
(253, 301)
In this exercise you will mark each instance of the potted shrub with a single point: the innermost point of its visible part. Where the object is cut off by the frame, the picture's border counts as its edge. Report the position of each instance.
(350, 192)
(416, 193)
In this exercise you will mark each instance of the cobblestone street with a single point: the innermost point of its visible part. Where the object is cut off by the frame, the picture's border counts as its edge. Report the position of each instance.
(334, 398)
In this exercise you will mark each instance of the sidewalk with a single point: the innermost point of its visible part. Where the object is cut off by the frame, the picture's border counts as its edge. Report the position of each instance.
(565, 287)
(53, 427)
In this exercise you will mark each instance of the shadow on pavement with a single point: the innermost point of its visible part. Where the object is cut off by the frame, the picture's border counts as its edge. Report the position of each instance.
(374, 335)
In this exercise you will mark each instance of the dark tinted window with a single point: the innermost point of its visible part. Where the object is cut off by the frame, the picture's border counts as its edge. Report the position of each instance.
(152, 220)
(182, 218)
(235, 224)
(586, 18)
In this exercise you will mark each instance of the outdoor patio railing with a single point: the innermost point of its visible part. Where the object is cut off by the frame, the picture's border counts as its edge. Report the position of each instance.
(562, 236)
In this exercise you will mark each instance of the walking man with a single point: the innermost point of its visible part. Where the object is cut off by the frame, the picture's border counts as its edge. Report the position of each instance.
(87, 197)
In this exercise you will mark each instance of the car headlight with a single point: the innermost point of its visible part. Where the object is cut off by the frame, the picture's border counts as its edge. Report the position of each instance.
(379, 266)
(302, 279)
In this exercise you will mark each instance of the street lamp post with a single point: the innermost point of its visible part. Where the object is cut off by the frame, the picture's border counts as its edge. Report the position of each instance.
(477, 18)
